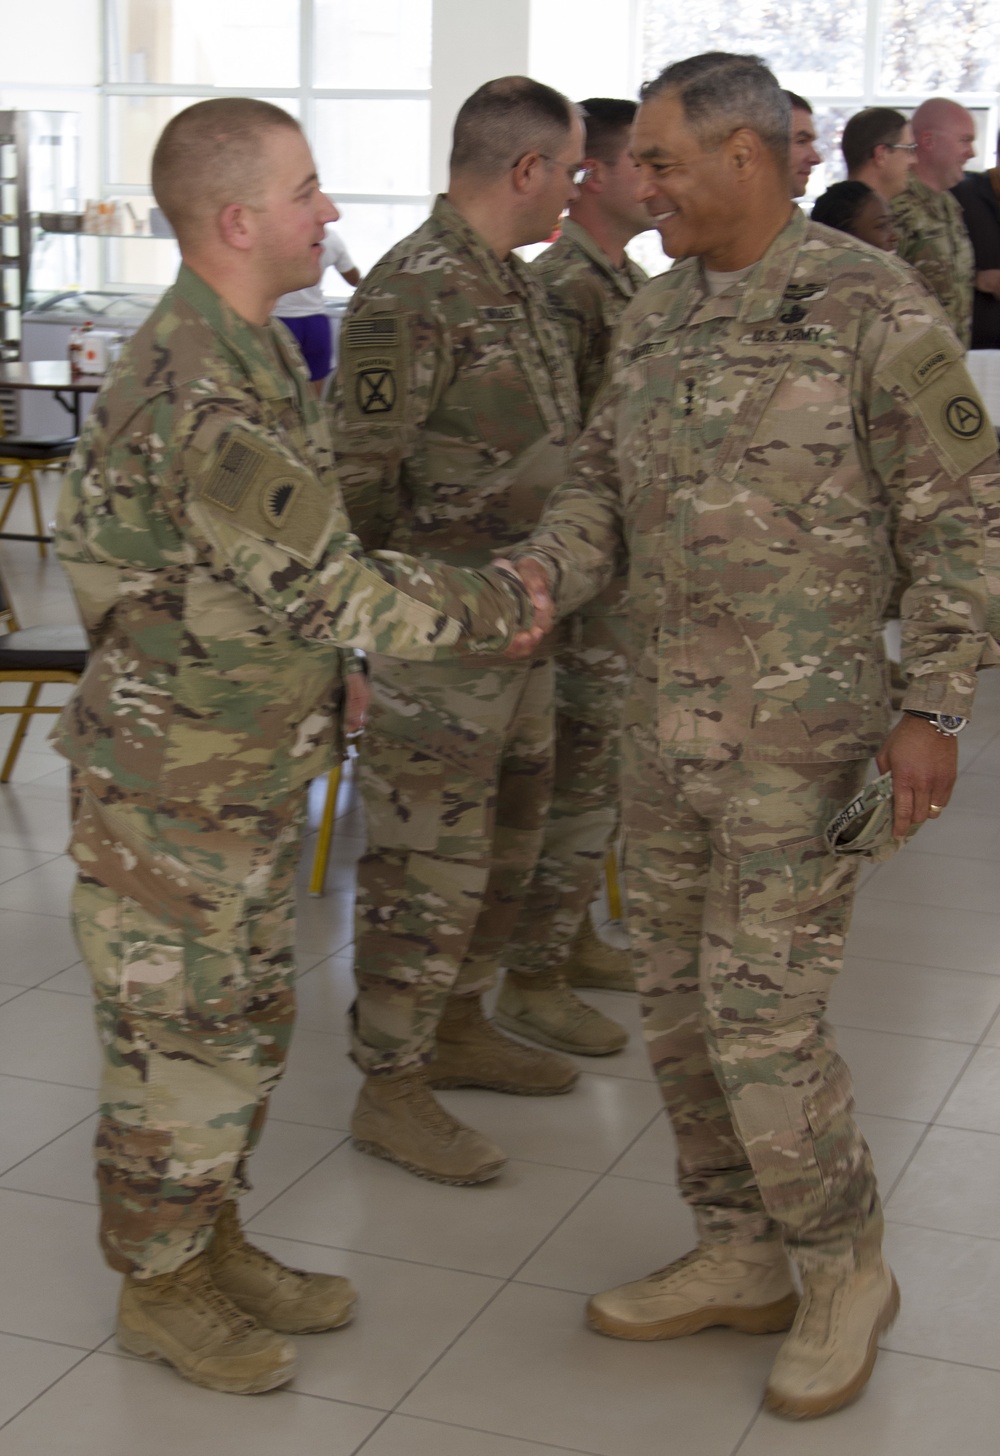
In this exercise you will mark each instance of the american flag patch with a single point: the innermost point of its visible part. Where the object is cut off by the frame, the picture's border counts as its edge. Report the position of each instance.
(363, 333)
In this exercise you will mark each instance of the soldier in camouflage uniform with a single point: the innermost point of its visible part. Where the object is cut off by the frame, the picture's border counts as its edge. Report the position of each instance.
(932, 232)
(786, 405)
(455, 405)
(590, 279)
(203, 533)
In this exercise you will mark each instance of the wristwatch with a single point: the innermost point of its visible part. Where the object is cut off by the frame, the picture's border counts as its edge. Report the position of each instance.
(945, 723)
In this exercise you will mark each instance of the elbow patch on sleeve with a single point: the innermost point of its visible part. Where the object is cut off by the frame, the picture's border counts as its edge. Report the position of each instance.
(373, 369)
(262, 491)
(931, 374)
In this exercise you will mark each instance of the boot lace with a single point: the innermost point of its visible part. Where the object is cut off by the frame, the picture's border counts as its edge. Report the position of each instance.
(203, 1289)
(429, 1112)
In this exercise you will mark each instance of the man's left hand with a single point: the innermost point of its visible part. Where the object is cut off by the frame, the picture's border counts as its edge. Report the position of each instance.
(923, 763)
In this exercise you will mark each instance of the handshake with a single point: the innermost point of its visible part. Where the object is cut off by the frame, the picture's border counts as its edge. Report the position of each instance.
(536, 583)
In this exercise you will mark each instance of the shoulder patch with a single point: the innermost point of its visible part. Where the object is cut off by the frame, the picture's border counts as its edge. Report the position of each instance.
(931, 374)
(267, 494)
(373, 359)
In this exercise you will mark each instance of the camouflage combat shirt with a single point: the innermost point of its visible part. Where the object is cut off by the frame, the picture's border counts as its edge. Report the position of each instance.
(590, 295)
(934, 239)
(759, 451)
(455, 400)
(203, 533)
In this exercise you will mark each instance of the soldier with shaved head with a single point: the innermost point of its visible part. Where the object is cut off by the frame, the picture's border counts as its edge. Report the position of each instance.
(203, 532)
(932, 232)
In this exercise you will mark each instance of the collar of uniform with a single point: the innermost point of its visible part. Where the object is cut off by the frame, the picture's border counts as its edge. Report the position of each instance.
(766, 286)
(927, 198)
(625, 278)
(508, 276)
(763, 291)
(251, 345)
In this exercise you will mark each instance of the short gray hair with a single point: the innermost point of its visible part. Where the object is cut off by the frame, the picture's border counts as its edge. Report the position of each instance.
(721, 92)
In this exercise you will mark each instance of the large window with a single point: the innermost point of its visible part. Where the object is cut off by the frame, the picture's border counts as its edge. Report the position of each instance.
(846, 54)
(357, 77)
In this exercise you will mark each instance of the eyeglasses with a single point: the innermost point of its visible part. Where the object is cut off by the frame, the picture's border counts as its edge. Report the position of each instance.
(900, 146)
(577, 175)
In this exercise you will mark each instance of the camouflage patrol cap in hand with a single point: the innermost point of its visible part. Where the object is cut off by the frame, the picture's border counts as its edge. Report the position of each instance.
(864, 826)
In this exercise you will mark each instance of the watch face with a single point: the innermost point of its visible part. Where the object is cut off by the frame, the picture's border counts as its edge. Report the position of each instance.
(951, 724)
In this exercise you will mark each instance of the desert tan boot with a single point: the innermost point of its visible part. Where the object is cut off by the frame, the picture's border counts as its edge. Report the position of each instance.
(830, 1351)
(274, 1295)
(544, 1009)
(399, 1118)
(184, 1319)
(595, 964)
(745, 1286)
(471, 1052)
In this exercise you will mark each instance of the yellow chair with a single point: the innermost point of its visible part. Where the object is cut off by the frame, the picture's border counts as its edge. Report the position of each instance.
(35, 656)
(28, 457)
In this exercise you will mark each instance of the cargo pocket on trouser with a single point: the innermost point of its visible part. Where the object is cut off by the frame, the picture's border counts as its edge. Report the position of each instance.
(787, 1089)
(180, 1081)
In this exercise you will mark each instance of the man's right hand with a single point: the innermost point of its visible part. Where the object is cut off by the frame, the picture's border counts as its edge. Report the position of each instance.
(536, 582)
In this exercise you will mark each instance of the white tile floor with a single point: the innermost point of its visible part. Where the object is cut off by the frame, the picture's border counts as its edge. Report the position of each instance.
(470, 1339)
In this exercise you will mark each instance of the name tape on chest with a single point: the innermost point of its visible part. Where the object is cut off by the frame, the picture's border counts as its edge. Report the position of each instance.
(266, 494)
(817, 334)
(501, 314)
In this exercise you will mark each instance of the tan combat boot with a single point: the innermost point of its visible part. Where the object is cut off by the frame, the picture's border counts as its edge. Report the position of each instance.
(745, 1286)
(543, 1008)
(274, 1295)
(470, 1052)
(399, 1118)
(184, 1319)
(830, 1352)
(594, 963)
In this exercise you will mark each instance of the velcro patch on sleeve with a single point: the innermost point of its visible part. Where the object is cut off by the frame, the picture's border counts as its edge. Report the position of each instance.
(373, 373)
(267, 494)
(931, 373)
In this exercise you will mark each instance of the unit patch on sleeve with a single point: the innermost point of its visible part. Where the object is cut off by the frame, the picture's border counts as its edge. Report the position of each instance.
(932, 376)
(372, 371)
(266, 493)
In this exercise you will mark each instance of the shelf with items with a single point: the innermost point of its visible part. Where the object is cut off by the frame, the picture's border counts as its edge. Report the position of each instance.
(39, 172)
(100, 265)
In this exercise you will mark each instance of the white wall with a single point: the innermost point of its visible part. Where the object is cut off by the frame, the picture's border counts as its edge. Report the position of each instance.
(582, 47)
(474, 41)
(586, 48)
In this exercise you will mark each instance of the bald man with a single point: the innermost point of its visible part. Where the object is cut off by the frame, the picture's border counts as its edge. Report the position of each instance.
(932, 232)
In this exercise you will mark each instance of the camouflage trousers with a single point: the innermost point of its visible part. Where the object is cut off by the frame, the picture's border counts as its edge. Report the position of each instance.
(187, 928)
(738, 915)
(456, 778)
(591, 677)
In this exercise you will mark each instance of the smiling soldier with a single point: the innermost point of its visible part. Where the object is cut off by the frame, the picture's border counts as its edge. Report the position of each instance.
(786, 407)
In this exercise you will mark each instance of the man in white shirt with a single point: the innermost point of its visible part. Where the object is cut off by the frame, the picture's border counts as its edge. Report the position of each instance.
(304, 312)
